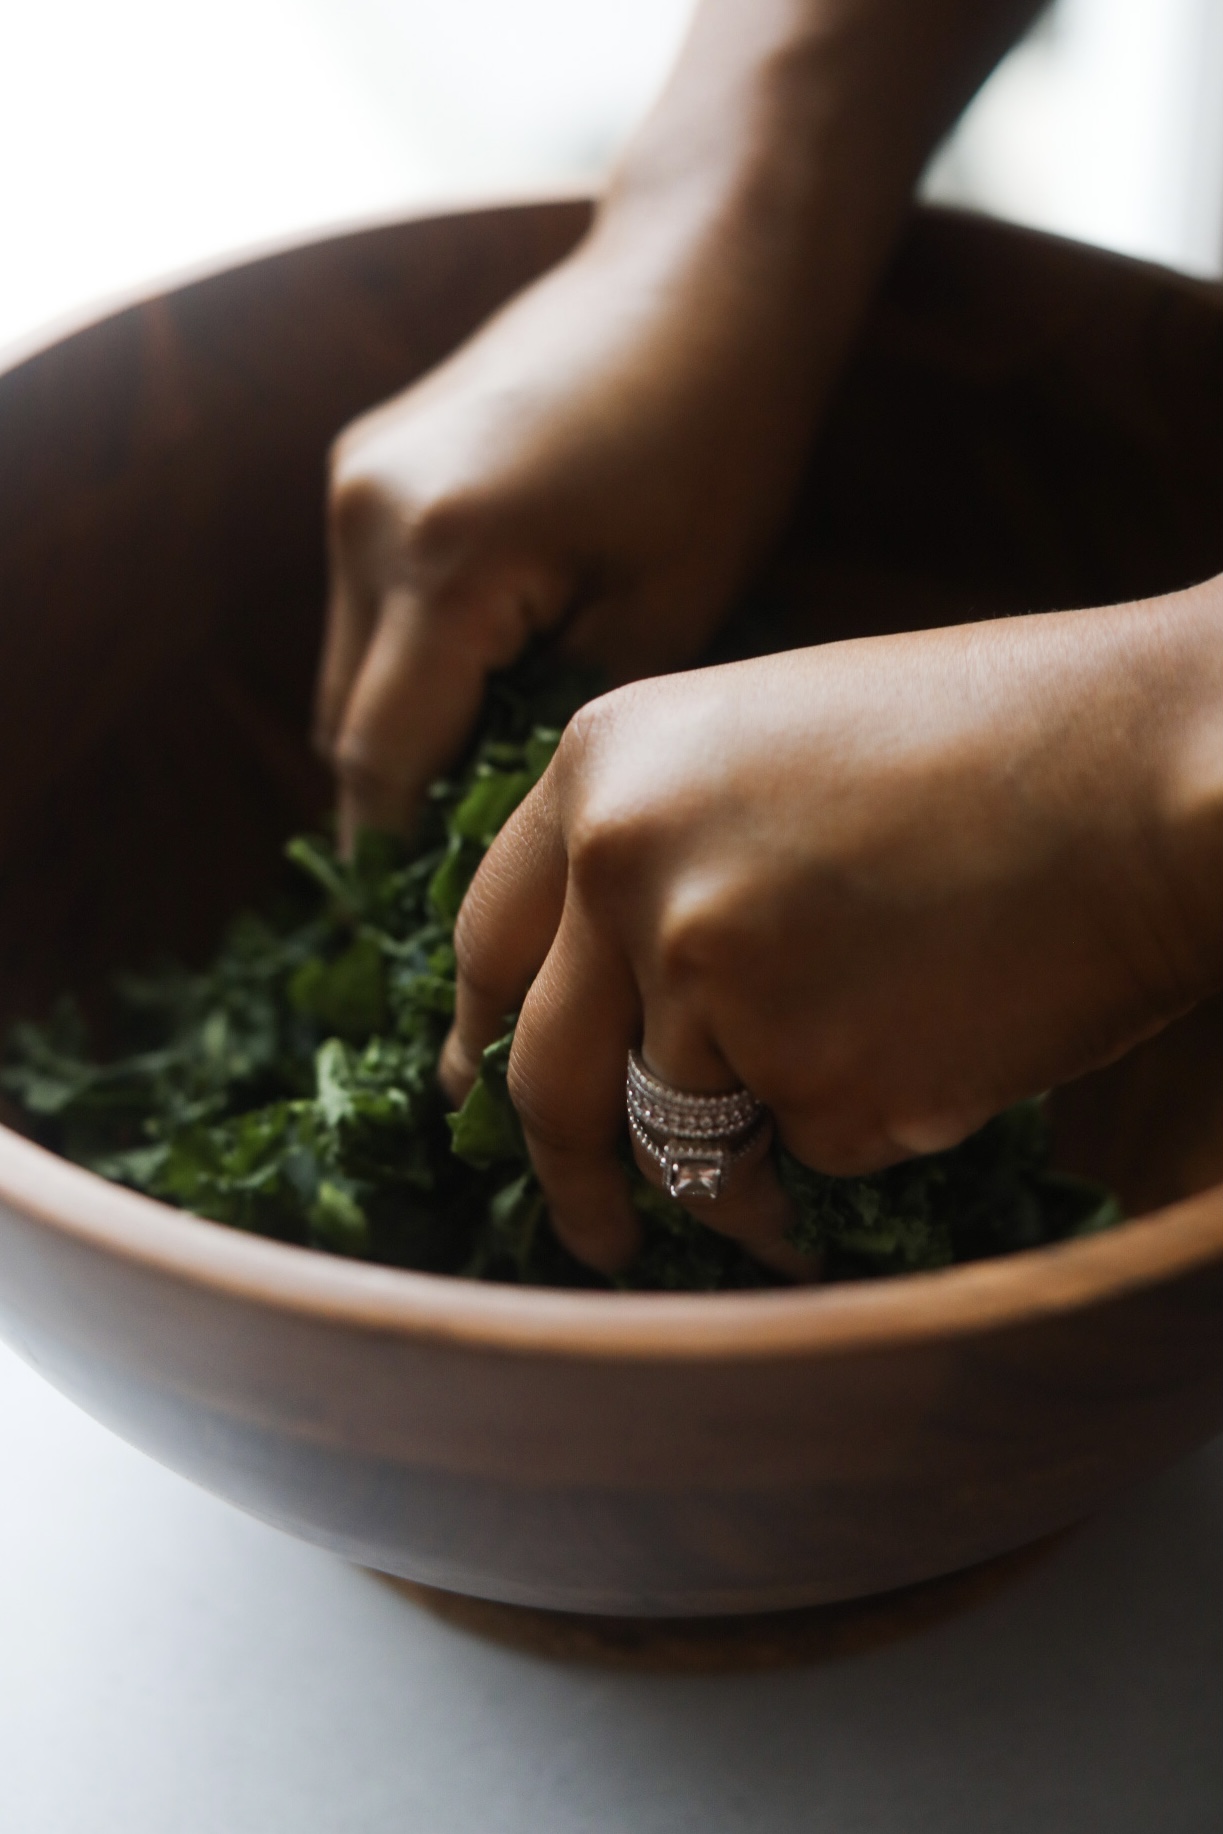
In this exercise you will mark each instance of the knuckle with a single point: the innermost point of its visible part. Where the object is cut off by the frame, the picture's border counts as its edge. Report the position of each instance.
(344, 453)
(611, 818)
(375, 503)
(466, 942)
(439, 528)
(593, 727)
(537, 1108)
(604, 852)
(355, 508)
(691, 940)
(471, 956)
(548, 1110)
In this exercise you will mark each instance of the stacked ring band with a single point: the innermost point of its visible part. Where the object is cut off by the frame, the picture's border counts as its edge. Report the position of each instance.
(693, 1139)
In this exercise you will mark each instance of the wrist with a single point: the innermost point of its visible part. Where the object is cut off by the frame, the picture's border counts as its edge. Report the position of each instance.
(1186, 730)
(754, 168)
(783, 153)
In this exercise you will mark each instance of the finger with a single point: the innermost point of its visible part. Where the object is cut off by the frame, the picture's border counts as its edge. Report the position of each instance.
(505, 928)
(350, 623)
(751, 1208)
(415, 697)
(844, 1138)
(566, 1078)
(629, 634)
(421, 685)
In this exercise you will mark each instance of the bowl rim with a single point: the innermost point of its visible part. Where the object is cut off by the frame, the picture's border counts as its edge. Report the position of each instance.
(88, 1211)
(82, 1208)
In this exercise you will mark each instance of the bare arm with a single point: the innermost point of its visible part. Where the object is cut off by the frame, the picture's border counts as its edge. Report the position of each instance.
(609, 454)
(790, 137)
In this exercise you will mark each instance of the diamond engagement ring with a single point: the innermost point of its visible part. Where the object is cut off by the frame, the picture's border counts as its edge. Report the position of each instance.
(694, 1139)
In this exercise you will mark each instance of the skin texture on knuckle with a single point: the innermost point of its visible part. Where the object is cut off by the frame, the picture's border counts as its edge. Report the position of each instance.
(543, 1111)
(476, 950)
(444, 531)
(578, 749)
(697, 939)
(470, 927)
(356, 507)
(523, 873)
(566, 1069)
(610, 816)
(604, 848)
(381, 510)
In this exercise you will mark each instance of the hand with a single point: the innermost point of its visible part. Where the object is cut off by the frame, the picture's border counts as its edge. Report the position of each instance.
(580, 462)
(891, 886)
(609, 454)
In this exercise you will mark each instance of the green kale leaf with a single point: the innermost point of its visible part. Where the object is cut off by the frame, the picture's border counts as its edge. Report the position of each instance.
(289, 1088)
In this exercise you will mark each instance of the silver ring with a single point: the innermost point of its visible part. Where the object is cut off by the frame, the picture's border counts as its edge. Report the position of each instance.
(694, 1139)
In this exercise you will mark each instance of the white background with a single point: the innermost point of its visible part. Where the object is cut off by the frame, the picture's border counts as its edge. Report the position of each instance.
(168, 1666)
(139, 137)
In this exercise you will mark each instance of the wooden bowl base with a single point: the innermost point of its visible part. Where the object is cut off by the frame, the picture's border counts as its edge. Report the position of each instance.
(729, 1645)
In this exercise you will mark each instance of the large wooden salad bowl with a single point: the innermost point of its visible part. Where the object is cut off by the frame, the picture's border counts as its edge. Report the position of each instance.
(1026, 424)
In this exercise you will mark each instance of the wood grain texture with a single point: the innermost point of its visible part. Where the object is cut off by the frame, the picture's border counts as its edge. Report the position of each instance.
(1025, 425)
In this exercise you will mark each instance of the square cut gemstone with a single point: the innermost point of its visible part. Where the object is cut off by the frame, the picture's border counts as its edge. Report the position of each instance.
(694, 1171)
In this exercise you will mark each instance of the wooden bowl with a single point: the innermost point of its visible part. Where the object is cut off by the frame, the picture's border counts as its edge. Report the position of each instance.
(1026, 424)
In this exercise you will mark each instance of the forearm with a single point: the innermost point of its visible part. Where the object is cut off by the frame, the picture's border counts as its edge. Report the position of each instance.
(785, 148)
(1182, 731)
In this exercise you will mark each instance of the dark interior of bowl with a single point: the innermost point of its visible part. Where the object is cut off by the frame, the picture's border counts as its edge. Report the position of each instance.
(1026, 426)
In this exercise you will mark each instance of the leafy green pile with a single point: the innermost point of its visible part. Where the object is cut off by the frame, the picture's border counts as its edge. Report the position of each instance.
(289, 1088)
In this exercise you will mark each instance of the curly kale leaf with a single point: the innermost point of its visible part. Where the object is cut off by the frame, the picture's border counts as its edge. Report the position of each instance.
(289, 1088)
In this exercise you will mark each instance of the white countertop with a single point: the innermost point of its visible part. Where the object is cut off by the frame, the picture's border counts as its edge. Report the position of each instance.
(168, 1666)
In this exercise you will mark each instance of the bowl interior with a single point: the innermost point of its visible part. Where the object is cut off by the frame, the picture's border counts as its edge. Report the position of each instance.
(1026, 425)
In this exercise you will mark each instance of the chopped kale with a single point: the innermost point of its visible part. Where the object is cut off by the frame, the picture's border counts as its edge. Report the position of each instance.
(289, 1088)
